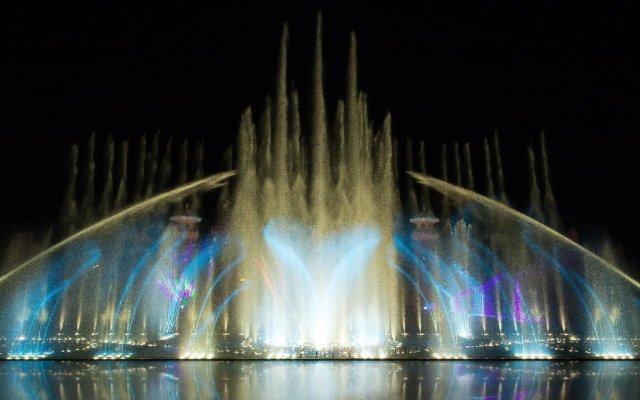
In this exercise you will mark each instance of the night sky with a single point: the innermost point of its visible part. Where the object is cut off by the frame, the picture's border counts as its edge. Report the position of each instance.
(455, 73)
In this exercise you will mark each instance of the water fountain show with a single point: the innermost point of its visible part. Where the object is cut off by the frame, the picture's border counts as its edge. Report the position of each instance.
(326, 238)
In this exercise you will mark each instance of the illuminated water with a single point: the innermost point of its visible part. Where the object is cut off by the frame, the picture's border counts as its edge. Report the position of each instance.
(313, 250)
(321, 380)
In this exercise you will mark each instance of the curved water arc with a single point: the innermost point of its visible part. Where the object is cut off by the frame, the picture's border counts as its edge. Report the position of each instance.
(141, 263)
(208, 183)
(438, 287)
(215, 283)
(145, 285)
(94, 258)
(416, 285)
(453, 190)
(215, 316)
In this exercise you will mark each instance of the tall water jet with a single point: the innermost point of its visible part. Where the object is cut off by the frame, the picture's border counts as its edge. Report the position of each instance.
(279, 121)
(457, 164)
(121, 194)
(106, 197)
(535, 203)
(551, 217)
(338, 153)
(395, 157)
(224, 200)
(195, 201)
(298, 158)
(69, 210)
(351, 114)
(411, 205)
(502, 195)
(551, 213)
(183, 163)
(244, 213)
(152, 166)
(425, 196)
(265, 161)
(294, 140)
(445, 212)
(470, 181)
(387, 184)
(490, 188)
(164, 173)
(319, 149)
(443, 163)
(140, 171)
(88, 213)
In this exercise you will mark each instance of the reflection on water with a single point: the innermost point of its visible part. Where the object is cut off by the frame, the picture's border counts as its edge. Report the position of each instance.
(320, 379)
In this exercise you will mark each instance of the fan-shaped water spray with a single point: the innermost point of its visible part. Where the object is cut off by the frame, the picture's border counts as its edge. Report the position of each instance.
(308, 253)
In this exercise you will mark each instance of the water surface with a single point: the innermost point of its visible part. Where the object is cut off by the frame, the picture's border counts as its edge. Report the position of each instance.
(320, 379)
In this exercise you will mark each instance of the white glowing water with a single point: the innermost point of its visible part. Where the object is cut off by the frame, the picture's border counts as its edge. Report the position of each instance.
(315, 287)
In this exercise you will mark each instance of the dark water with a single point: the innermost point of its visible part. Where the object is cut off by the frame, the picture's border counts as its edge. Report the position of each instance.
(514, 380)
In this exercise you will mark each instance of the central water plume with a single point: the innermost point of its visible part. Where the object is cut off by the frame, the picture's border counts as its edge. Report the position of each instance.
(318, 290)
(292, 180)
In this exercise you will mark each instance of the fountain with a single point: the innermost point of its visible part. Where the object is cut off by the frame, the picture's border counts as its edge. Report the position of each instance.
(313, 249)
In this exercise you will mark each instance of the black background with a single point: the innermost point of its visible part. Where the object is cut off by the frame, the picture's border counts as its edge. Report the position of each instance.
(446, 73)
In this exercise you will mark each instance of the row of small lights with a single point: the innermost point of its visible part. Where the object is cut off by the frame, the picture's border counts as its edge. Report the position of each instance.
(28, 356)
(112, 356)
(616, 356)
(196, 356)
(438, 356)
(209, 356)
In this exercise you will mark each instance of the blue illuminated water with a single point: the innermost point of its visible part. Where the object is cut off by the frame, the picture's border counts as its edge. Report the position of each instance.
(151, 287)
(320, 379)
(312, 252)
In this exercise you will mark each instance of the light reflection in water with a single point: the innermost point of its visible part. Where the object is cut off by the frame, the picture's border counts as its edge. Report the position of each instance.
(320, 379)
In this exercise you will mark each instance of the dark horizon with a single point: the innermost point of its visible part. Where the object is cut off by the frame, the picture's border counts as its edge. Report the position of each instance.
(444, 74)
